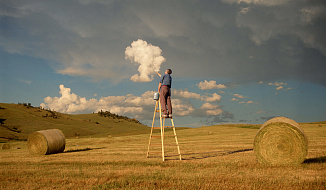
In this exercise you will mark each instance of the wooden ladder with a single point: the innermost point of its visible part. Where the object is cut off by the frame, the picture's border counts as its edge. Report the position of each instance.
(162, 127)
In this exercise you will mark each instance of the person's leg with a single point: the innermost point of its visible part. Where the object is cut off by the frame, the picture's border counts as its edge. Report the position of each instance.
(168, 101)
(163, 93)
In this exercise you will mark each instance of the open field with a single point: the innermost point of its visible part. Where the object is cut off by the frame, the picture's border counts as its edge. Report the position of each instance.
(213, 157)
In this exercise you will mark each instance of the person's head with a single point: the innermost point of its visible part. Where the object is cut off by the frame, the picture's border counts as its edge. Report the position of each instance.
(168, 71)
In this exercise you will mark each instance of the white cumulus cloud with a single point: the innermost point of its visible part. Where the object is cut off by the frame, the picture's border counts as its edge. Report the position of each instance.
(148, 56)
(277, 84)
(182, 108)
(210, 109)
(280, 86)
(234, 100)
(140, 107)
(214, 98)
(238, 96)
(248, 102)
(207, 85)
(185, 94)
(69, 102)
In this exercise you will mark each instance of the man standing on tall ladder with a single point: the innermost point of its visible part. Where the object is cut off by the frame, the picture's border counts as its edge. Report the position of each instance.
(164, 88)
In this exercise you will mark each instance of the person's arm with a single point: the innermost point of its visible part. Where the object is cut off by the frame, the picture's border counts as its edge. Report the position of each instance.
(158, 73)
(159, 87)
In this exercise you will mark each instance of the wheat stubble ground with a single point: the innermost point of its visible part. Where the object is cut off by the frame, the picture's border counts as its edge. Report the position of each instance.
(213, 157)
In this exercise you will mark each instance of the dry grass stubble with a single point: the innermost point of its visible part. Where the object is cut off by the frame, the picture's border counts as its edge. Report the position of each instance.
(214, 157)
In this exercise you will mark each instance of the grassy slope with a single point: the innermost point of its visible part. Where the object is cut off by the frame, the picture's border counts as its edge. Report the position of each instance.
(21, 121)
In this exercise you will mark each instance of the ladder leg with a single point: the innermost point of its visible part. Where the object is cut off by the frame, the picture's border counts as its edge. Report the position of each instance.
(176, 139)
(162, 127)
(162, 132)
(150, 137)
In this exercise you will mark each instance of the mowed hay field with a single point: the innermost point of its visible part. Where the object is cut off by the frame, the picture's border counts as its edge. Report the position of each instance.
(214, 157)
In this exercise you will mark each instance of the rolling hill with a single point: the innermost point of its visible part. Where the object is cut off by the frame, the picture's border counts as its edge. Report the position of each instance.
(19, 120)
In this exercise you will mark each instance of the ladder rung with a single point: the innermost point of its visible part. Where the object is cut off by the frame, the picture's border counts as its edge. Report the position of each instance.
(157, 110)
(169, 144)
(164, 126)
(155, 136)
(156, 144)
(172, 144)
(170, 155)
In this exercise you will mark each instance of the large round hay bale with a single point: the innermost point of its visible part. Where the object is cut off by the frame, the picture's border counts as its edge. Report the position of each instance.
(280, 141)
(5, 146)
(46, 142)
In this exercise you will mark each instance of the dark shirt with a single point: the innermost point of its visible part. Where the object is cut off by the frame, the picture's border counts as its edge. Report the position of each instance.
(166, 80)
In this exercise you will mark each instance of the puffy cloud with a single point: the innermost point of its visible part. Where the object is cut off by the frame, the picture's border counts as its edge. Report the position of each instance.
(277, 83)
(182, 108)
(211, 110)
(280, 86)
(68, 102)
(207, 85)
(238, 96)
(214, 98)
(248, 102)
(185, 94)
(130, 105)
(234, 100)
(148, 56)
(140, 107)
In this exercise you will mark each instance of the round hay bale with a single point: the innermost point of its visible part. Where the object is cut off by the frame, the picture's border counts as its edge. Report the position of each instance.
(280, 141)
(5, 146)
(46, 142)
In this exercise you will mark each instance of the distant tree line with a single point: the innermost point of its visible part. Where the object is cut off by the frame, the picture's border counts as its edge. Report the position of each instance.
(116, 116)
(28, 105)
(49, 114)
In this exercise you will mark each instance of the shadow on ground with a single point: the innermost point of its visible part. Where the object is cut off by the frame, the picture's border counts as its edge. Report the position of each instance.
(201, 155)
(81, 150)
(315, 160)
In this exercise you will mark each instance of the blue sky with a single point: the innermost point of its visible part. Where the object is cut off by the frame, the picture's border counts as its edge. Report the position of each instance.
(233, 61)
